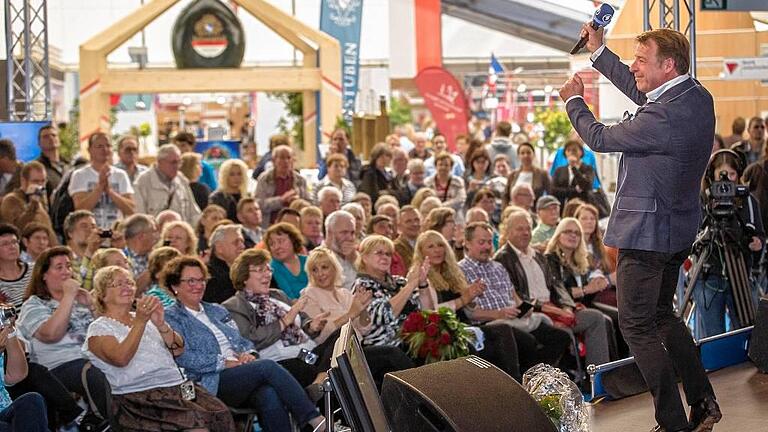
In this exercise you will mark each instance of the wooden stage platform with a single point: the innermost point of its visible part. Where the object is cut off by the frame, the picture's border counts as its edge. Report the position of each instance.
(742, 392)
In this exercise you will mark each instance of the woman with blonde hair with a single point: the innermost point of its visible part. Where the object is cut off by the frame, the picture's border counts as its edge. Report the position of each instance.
(158, 258)
(233, 185)
(102, 258)
(569, 266)
(393, 297)
(421, 195)
(180, 236)
(192, 168)
(210, 216)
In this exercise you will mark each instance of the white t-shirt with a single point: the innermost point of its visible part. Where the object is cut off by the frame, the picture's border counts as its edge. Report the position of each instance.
(525, 177)
(106, 212)
(226, 348)
(151, 367)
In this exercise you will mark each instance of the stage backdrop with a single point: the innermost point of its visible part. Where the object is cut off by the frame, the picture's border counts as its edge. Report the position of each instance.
(24, 137)
(445, 99)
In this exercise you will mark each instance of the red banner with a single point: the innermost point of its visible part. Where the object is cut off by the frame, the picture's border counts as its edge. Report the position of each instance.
(445, 100)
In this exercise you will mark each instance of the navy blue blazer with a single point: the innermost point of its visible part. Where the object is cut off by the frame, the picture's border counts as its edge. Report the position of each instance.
(665, 147)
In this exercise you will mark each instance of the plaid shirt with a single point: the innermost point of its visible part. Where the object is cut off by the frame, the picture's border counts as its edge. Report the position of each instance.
(498, 287)
(139, 263)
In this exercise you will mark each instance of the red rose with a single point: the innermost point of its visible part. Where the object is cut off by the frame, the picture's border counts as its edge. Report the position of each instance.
(423, 350)
(432, 330)
(435, 351)
(434, 318)
(445, 338)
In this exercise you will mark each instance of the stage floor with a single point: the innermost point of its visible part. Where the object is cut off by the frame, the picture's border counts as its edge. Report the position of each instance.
(742, 392)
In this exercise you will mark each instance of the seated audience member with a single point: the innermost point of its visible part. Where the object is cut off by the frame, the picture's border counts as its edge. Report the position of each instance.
(548, 211)
(570, 207)
(382, 225)
(364, 201)
(440, 145)
(448, 187)
(128, 154)
(529, 174)
(312, 227)
(420, 149)
(219, 359)
(26, 413)
(180, 236)
(340, 238)
(265, 161)
(413, 183)
(164, 218)
(479, 173)
(158, 258)
(421, 195)
(10, 168)
(329, 200)
(399, 167)
(375, 178)
(384, 198)
(210, 216)
(15, 274)
(118, 236)
(185, 141)
(430, 204)
(101, 188)
(289, 216)
(443, 220)
(192, 169)
(337, 178)
(477, 214)
(285, 244)
(54, 320)
(274, 323)
(28, 203)
(278, 187)
(249, 215)
(35, 239)
(361, 218)
(521, 195)
(226, 244)
(599, 256)
(568, 265)
(162, 188)
(340, 145)
(299, 205)
(141, 236)
(393, 297)
(485, 199)
(233, 186)
(408, 228)
(136, 350)
(537, 340)
(102, 258)
(501, 169)
(575, 179)
(389, 209)
(83, 238)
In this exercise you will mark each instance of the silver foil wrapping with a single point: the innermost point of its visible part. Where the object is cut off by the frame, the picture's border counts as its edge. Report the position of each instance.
(558, 396)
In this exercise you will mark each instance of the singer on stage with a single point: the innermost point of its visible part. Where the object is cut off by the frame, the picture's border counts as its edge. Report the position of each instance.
(665, 146)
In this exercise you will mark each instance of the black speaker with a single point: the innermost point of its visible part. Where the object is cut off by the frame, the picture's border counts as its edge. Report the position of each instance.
(463, 395)
(758, 342)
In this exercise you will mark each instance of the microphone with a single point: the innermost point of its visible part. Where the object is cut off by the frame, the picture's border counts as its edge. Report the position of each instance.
(601, 18)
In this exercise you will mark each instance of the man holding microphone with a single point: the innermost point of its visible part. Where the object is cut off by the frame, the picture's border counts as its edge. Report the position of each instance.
(665, 147)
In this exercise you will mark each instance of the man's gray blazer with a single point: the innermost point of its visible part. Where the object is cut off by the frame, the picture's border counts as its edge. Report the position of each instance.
(665, 148)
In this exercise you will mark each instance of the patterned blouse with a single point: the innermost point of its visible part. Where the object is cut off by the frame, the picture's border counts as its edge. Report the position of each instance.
(384, 324)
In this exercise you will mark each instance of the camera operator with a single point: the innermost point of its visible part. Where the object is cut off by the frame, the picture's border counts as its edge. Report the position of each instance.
(729, 208)
(28, 203)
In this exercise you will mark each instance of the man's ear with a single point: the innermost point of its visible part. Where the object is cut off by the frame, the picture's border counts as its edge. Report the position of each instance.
(668, 64)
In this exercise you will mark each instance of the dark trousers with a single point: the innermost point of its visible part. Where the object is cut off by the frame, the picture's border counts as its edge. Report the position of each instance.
(658, 338)
(62, 408)
(25, 414)
(69, 374)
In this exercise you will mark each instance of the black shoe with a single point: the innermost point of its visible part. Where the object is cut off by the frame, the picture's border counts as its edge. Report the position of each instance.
(704, 415)
(658, 428)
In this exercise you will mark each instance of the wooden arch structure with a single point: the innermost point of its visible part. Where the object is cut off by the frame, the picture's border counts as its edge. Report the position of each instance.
(320, 71)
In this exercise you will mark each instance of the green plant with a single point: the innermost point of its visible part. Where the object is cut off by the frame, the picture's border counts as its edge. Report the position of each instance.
(399, 112)
(342, 124)
(291, 123)
(69, 135)
(556, 125)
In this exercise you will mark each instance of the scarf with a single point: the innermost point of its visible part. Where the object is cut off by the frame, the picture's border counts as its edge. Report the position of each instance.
(267, 312)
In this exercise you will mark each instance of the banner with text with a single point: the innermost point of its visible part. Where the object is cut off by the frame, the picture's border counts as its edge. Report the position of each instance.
(446, 102)
(341, 19)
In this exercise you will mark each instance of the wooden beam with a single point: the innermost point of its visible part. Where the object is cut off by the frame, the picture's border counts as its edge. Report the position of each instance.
(275, 18)
(118, 33)
(275, 23)
(210, 80)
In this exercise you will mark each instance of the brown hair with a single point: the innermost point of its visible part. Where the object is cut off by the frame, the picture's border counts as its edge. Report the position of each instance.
(670, 44)
(571, 205)
(443, 156)
(438, 218)
(189, 162)
(241, 268)
(287, 229)
(171, 274)
(158, 258)
(29, 166)
(37, 286)
(336, 158)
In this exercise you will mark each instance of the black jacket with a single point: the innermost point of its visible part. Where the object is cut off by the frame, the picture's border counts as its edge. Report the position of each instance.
(508, 258)
(219, 287)
(374, 182)
(564, 276)
(564, 189)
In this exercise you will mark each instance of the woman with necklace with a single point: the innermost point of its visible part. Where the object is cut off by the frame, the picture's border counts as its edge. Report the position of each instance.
(136, 351)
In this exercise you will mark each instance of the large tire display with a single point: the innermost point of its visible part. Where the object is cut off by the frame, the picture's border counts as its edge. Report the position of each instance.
(207, 34)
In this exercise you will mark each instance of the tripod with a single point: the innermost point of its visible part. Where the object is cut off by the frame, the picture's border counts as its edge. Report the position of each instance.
(715, 238)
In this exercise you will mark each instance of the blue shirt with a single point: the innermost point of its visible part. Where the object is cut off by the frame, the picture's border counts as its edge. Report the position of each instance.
(289, 283)
(208, 177)
(5, 398)
(588, 158)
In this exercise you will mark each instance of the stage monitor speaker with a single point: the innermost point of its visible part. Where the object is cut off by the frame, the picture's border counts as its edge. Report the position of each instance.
(758, 343)
(464, 395)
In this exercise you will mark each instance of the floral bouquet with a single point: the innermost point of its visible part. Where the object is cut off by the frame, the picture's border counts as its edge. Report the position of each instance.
(558, 397)
(436, 336)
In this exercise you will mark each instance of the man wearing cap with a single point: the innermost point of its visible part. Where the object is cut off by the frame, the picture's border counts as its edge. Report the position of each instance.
(548, 212)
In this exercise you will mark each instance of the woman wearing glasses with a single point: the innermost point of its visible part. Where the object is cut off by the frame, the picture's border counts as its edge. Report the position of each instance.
(222, 361)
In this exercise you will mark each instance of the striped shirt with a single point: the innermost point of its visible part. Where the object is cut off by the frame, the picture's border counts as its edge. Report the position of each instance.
(12, 291)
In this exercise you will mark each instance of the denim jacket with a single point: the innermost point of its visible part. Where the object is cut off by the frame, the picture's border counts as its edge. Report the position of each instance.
(202, 359)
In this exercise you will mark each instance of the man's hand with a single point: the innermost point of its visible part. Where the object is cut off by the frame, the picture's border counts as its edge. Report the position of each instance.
(755, 245)
(573, 87)
(594, 37)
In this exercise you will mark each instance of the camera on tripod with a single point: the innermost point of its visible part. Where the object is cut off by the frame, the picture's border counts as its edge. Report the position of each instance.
(722, 196)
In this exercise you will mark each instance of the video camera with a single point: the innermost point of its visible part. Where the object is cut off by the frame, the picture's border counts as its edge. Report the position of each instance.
(722, 197)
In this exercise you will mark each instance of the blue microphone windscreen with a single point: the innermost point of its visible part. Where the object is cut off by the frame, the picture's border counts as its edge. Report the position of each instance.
(603, 15)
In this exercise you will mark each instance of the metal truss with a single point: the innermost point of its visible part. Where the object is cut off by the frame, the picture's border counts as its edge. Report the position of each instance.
(670, 16)
(28, 73)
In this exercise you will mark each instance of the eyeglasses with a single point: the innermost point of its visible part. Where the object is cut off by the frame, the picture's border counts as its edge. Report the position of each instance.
(260, 270)
(572, 232)
(194, 281)
(381, 253)
(124, 284)
(131, 149)
(759, 126)
(8, 243)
